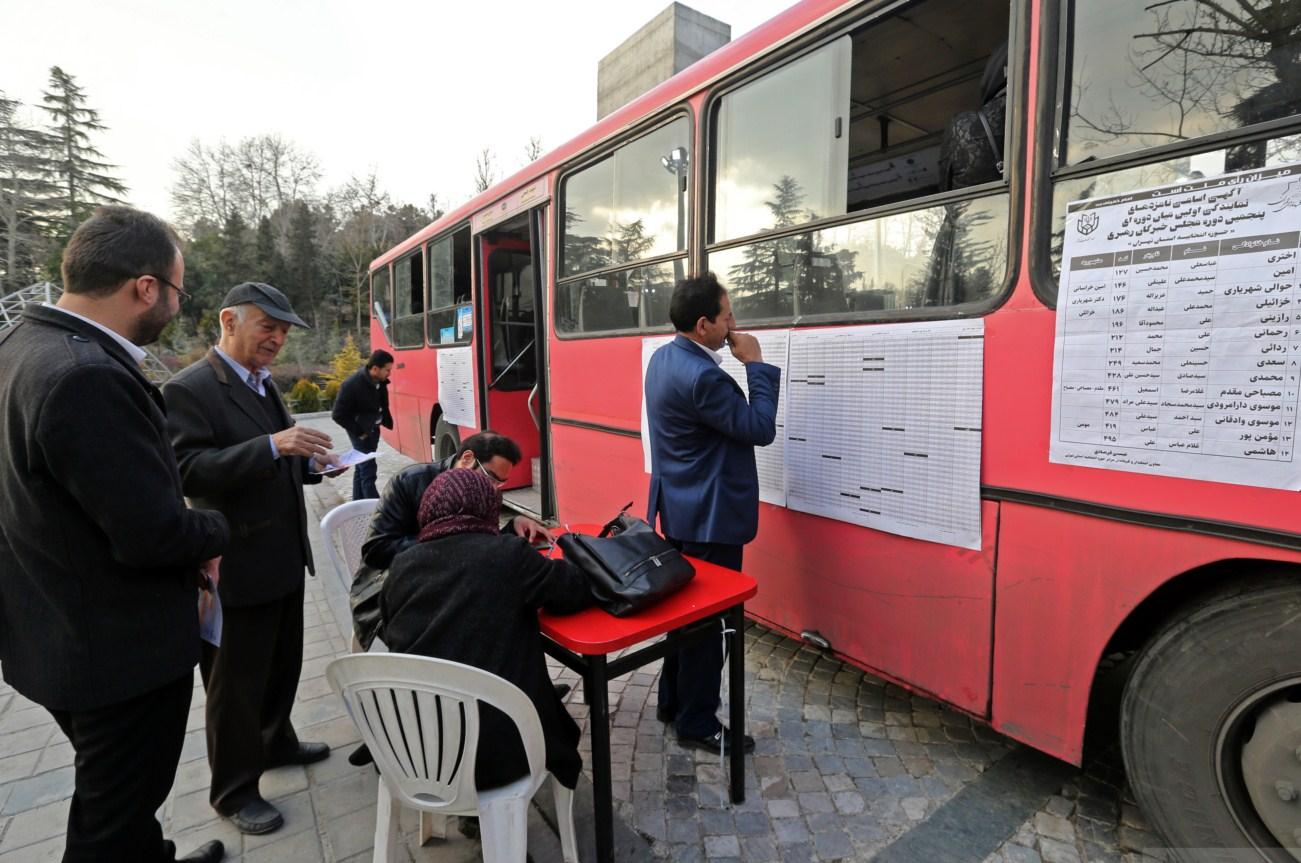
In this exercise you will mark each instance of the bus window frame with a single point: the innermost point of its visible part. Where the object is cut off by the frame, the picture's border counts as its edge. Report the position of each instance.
(388, 271)
(1050, 113)
(1014, 153)
(607, 149)
(449, 233)
(424, 293)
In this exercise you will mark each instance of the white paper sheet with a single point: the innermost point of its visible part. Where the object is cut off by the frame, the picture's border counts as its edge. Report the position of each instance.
(1179, 331)
(648, 347)
(770, 461)
(883, 427)
(456, 386)
(348, 459)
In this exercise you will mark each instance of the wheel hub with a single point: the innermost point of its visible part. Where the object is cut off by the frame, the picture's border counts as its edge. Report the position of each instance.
(1271, 770)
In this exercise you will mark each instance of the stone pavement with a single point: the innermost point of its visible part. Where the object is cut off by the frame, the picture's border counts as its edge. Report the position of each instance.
(846, 767)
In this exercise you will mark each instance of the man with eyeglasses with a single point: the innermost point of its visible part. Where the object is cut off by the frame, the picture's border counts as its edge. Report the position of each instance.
(100, 559)
(395, 527)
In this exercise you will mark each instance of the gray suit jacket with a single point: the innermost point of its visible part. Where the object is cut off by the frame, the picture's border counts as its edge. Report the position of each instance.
(219, 429)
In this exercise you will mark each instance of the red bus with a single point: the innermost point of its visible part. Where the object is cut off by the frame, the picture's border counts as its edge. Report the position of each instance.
(873, 171)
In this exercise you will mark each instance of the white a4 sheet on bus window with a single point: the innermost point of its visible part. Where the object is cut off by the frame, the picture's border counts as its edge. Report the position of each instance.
(456, 386)
(1178, 331)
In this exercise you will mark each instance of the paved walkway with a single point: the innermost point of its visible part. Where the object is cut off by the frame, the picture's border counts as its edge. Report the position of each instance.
(846, 767)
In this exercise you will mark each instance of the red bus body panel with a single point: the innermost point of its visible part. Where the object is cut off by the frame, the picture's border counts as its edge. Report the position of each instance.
(1012, 632)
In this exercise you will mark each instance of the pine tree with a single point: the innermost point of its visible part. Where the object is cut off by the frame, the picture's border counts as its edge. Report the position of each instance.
(238, 264)
(302, 278)
(84, 177)
(268, 263)
(26, 187)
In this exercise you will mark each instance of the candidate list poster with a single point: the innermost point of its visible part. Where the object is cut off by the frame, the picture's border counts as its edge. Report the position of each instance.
(1178, 336)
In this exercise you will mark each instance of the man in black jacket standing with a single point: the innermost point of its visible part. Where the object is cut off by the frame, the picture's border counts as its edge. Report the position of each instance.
(100, 560)
(240, 453)
(361, 408)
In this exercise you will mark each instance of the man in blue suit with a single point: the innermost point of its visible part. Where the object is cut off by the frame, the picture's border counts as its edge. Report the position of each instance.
(704, 485)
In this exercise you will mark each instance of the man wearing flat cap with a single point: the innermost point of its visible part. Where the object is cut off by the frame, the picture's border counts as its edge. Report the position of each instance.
(240, 453)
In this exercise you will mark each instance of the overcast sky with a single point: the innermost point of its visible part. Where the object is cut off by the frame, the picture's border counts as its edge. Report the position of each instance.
(411, 89)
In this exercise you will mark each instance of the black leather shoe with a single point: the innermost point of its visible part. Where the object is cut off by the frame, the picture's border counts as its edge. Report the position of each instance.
(257, 817)
(719, 741)
(208, 852)
(306, 753)
(562, 689)
(665, 714)
(360, 756)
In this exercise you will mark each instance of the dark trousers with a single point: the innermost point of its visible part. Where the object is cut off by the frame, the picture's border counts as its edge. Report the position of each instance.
(126, 757)
(251, 681)
(363, 475)
(690, 678)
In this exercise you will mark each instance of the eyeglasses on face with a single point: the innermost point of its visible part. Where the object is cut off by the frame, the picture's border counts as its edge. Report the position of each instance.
(496, 480)
(180, 292)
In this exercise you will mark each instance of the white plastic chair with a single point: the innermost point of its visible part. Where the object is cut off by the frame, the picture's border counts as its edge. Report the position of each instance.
(420, 718)
(345, 528)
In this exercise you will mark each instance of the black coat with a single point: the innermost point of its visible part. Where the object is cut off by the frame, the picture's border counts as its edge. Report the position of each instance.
(98, 554)
(361, 406)
(221, 431)
(473, 598)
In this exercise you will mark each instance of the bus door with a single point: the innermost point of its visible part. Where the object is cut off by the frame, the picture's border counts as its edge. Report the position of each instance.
(512, 354)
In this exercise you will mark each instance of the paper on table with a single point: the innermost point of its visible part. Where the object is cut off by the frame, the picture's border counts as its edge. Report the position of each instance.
(348, 459)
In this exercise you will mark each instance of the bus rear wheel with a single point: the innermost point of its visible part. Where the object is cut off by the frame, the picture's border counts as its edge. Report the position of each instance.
(446, 440)
(1210, 727)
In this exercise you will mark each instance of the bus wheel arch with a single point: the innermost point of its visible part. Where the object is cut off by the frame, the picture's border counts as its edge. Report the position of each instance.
(1204, 662)
(444, 438)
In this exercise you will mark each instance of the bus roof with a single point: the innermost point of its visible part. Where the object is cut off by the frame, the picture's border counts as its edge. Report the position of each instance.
(757, 42)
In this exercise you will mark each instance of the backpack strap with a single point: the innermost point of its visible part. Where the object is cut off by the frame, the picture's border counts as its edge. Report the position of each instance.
(993, 142)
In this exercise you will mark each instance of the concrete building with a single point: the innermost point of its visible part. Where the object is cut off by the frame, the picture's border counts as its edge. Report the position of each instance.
(664, 46)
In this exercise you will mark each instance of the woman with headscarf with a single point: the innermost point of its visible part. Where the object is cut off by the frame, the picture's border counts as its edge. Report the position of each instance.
(470, 594)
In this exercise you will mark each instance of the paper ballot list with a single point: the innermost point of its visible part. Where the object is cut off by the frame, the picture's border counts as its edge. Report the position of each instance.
(1177, 337)
(877, 426)
(456, 385)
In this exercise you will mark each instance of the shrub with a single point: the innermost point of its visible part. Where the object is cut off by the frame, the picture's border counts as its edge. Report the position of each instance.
(328, 396)
(305, 397)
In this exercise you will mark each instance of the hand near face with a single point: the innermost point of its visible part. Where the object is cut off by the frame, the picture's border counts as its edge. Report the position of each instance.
(745, 347)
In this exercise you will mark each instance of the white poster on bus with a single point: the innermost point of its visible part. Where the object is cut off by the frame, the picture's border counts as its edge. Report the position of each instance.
(456, 386)
(1178, 334)
(883, 427)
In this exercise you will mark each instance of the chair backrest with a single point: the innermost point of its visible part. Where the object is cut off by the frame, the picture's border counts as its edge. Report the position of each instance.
(345, 528)
(420, 718)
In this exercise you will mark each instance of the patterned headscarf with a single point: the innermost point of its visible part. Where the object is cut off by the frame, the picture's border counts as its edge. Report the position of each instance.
(459, 501)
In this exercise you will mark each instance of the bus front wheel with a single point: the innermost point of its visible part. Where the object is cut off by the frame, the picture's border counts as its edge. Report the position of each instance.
(446, 440)
(1210, 727)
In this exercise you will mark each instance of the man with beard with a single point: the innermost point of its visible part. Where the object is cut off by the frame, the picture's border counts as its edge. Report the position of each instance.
(241, 454)
(100, 560)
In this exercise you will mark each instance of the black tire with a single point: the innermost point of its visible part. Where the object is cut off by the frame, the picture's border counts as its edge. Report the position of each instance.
(446, 440)
(1190, 707)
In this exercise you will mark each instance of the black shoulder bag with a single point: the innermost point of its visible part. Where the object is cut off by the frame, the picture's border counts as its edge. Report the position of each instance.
(629, 566)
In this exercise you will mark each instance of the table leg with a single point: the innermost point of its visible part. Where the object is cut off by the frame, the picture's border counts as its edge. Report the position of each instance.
(736, 697)
(602, 792)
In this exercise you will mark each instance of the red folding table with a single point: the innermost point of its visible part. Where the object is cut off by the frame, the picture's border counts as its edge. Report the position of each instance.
(582, 641)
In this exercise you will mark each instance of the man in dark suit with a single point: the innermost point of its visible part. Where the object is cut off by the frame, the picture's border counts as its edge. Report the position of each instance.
(361, 407)
(704, 486)
(240, 453)
(100, 560)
